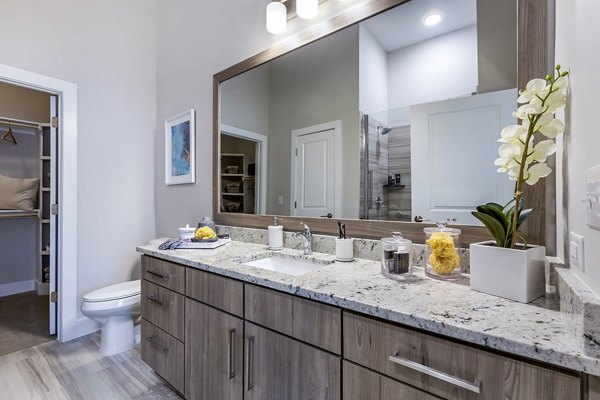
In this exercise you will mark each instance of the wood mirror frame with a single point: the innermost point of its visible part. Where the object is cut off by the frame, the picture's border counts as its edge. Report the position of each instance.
(532, 60)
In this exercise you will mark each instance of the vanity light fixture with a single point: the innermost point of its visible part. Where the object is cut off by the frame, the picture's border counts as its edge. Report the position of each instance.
(432, 19)
(276, 17)
(307, 9)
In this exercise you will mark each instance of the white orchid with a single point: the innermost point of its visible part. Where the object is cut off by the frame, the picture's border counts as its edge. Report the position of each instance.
(521, 156)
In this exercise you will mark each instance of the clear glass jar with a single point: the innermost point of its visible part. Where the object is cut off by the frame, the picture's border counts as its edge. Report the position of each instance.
(442, 258)
(396, 257)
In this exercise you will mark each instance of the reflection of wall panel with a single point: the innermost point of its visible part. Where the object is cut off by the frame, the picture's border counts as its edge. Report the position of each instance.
(399, 199)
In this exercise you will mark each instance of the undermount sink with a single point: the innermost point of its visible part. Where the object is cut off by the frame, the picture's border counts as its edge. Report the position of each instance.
(287, 264)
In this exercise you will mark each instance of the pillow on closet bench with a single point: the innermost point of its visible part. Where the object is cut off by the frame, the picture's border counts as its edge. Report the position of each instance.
(18, 194)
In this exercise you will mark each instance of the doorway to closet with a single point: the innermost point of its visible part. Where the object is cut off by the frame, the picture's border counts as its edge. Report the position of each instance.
(28, 223)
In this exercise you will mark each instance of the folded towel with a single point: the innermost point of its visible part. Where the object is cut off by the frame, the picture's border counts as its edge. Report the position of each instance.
(171, 244)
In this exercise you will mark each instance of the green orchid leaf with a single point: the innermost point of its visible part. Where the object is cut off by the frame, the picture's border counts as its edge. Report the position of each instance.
(493, 225)
(498, 215)
(523, 216)
(495, 206)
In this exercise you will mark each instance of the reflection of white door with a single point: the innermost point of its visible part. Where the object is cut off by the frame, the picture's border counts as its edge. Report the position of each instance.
(453, 148)
(313, 171)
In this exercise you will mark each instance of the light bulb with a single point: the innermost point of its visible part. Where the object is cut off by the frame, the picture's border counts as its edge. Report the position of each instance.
(276, 18)
(432, 19)
(307, 9)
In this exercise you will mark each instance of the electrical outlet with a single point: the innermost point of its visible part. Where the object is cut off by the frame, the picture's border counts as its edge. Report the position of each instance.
(280, 200)
(576, 251)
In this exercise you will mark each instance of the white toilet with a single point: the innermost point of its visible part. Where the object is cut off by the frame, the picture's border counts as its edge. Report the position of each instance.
(117, 308)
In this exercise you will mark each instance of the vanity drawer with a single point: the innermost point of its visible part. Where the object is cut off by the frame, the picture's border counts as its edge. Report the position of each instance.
(448, 369)
(218, 291)
(164, 354)
(164, 273)
(306, 320)
(163, 308)
(359, 384)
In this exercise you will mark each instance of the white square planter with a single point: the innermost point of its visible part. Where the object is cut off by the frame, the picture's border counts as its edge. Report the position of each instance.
(514, 274)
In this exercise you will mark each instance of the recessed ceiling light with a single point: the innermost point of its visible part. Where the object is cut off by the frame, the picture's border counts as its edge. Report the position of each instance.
(432, 19)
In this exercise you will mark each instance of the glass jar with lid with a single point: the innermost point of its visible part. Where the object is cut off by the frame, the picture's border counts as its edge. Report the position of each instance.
(442, 258)
(396, 257)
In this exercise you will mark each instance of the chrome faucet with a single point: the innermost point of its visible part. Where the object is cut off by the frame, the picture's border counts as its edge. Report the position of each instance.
(307, 236)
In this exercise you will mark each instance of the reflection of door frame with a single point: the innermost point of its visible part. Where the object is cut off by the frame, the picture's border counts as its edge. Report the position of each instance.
(261, 161)
(336, 126)
(67, 308)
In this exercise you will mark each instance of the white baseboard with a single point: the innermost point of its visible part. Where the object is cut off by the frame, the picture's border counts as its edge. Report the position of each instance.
(42, 289)
(83, 326)
(8, 289)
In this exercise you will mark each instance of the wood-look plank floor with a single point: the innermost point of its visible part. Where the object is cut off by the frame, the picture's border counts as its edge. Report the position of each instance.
(76, 370)
(24, 321)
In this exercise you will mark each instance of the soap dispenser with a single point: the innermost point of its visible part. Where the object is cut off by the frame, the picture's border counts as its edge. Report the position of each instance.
(275, 236)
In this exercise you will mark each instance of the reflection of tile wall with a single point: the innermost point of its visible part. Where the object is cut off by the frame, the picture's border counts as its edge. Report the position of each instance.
(399, 163)
(378, 163)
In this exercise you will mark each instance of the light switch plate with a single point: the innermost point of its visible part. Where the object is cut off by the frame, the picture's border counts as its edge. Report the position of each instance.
(280, 200)
(576, 251)
(592, 200)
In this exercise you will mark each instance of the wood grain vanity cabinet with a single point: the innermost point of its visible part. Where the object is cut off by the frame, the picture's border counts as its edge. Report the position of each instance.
(449, 369)
(213, 353)
(279, 367)
(213, 337)
(163, 315)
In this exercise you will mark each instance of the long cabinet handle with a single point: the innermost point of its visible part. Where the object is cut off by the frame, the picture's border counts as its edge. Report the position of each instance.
(158, 275)
(250, 380)
(473, 387)
(154, 342)
(232, 372)
(153, 299)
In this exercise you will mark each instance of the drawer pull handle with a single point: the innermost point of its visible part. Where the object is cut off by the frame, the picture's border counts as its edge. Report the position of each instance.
(153, 299)
(232, 334)
(156, 274)
(250, 381)
(473, 387)
(154, 342)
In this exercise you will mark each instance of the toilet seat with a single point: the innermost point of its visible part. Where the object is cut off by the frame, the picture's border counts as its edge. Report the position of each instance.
(114, 292)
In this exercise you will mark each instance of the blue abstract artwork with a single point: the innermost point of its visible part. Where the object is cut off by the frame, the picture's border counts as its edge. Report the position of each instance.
(180, 149)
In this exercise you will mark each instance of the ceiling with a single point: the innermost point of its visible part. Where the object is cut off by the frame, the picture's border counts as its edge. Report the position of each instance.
(403, 26)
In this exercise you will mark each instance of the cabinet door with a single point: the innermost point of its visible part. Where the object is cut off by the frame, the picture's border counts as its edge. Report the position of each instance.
(281, 368)
(213, 353)
(362, 384)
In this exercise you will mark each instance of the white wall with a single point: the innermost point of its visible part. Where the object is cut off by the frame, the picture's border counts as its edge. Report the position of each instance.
(433, 70)
(576, 25)
(373, 73)
(196, 40)
(107, 48)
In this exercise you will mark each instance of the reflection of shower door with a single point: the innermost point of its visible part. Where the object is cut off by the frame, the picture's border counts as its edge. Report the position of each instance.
(313, 172)
(454, 145)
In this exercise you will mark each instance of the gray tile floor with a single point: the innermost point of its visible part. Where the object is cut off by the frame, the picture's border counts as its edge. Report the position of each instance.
(24, 320)
(76, 370)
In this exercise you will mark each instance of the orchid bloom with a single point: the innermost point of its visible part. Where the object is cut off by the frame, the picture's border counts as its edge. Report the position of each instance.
(520, 157)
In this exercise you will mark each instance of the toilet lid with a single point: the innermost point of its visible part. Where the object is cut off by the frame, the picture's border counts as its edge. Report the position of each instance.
(114, 292)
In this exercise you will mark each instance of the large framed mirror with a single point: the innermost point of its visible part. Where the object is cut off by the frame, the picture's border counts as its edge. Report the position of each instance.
(386, 119)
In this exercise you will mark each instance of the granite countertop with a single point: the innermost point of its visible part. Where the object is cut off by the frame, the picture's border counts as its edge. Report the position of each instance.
(537, 330)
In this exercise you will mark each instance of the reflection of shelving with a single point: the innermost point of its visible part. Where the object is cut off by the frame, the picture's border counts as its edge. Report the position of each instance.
(232, 202)
(394, 186)
(44, 202)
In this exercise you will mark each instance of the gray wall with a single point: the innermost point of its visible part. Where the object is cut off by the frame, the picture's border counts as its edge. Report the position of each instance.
(107, 48)
(497, 45)
(311, 86)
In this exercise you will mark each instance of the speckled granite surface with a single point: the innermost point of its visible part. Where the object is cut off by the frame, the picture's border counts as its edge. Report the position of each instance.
(539, 330)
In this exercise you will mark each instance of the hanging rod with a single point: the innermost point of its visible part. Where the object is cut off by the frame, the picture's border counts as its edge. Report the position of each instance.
(20, 122)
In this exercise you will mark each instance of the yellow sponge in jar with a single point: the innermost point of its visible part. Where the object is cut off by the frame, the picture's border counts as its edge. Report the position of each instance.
(443, 258)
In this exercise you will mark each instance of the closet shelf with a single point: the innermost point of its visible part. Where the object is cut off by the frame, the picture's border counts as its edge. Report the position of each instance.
(45, 253)
(45, 158)
(45, 221)
(19, 214)
(45, 189)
